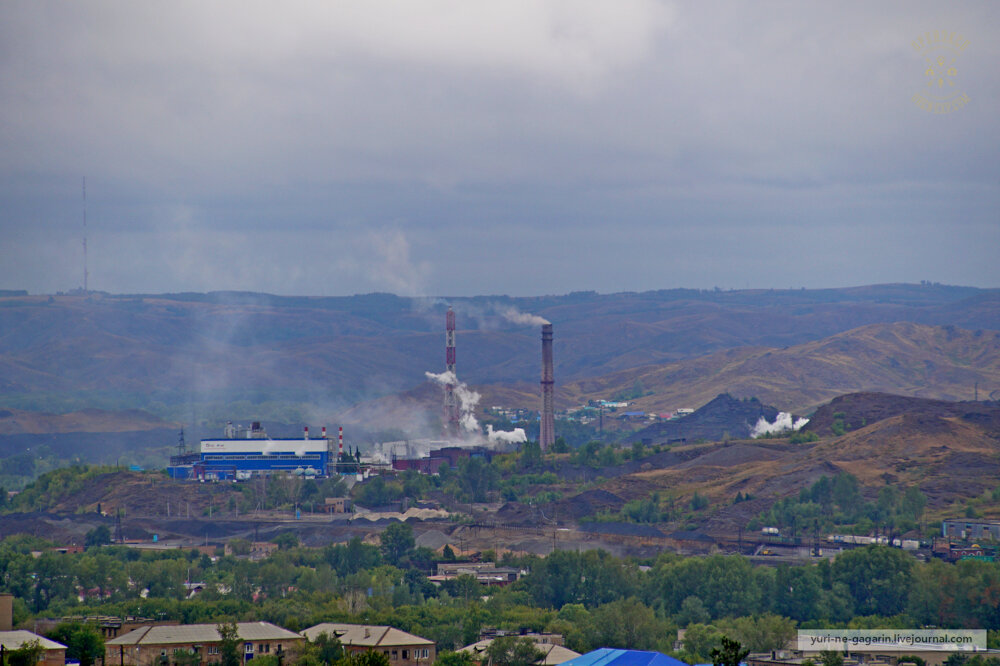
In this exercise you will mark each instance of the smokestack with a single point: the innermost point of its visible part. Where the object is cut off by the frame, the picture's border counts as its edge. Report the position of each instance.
(305, 432)
(451, 416)
(547, 433)
(340, 439)
(324, 432)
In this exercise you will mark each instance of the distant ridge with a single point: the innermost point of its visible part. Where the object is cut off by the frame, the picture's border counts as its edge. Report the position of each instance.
(66, 352)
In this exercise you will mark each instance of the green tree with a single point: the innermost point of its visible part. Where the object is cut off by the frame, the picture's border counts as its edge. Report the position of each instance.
(397, 541)
(878, 577)
(760, 633)
(730, 654)
(693, 611)
(99, 536)
(367, 658)
(83, 643)
(323, 650)
(286, 540)
(701, 641)
(512, 651)
(449, 658)
(229, 645)
(831, 658)
(29, 654)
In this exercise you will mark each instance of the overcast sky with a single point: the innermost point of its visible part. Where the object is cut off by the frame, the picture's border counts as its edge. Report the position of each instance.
(460, 147)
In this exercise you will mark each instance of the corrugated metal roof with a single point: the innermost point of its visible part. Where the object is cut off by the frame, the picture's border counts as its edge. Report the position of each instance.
(610, 657)
(201, 633)
(13, 640)
(365, 635)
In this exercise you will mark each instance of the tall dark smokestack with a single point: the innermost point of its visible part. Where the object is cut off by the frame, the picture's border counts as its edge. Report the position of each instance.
(547, 434)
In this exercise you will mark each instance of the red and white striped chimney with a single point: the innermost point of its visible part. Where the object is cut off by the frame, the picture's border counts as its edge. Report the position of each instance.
(305, 432)
(340, 439)
(324, 432)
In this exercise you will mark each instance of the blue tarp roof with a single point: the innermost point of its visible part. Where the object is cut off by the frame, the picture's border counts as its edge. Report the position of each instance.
(610, 657)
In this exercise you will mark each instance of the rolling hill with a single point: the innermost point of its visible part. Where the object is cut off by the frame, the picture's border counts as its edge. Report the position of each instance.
(68, 352)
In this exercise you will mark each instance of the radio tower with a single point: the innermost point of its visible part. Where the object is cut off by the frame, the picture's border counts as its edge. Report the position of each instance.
(85, 273)
(450, 403)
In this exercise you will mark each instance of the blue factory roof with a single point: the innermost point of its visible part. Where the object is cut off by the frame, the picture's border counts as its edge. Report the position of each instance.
(612, 657)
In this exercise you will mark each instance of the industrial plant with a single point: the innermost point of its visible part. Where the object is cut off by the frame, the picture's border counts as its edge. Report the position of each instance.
(247, 452)
(244, 453)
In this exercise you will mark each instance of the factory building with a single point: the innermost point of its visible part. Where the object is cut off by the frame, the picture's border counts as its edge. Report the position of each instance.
(244, 453)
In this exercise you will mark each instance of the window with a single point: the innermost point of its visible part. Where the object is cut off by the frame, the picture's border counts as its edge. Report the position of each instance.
(248, 648)
(213, 649)
(426, 653)
(395, 655)
(406, 654)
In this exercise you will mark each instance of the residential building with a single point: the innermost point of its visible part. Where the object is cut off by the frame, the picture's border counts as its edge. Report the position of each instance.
(402, 648)
(53, 654)
(147, 646)
(550, 645)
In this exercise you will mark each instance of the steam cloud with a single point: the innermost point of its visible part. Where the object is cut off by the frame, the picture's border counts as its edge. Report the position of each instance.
(514, 315)
(468, 400)
(515, 436)
(782, 423)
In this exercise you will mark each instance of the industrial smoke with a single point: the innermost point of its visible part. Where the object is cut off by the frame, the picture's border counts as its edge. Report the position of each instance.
(782, 423)
(515, 316)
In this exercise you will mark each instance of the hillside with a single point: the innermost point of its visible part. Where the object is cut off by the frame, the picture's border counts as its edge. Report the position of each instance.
(175, 354)
(902, 357)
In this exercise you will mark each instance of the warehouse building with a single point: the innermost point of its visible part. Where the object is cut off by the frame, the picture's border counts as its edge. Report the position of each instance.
(244, 453)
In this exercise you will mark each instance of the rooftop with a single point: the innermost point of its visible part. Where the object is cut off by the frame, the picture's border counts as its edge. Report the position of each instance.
(365, 635)
(201, 633)
(13, 640)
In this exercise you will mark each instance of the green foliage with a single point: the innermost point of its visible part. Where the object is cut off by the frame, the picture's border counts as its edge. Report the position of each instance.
(698, 502)
(99, 536)
(286, 540)
(397, 541)
(837, 500)
(560, 445)
(51, 488)
(29, 654)
(731, 653)
(512, 651)
(878, 577)
(760, 633)
(803, 436)
(366, 658)
(449, 658)
(700, 642)
(377, 492)
(229, 645)
(84, 643)
(324, 650)
(831, 658)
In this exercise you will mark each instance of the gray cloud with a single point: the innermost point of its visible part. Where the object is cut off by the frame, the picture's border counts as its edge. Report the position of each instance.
(491, 147)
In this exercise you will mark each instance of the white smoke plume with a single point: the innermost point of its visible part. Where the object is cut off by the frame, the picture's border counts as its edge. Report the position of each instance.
(468, 399)
(782, 423)
(514, 315)
(515, 436)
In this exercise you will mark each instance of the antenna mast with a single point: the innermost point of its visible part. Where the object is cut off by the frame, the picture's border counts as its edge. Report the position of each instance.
(85, 272)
